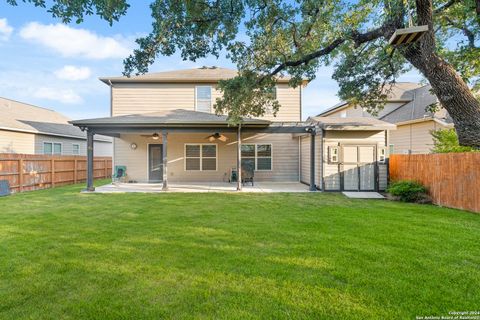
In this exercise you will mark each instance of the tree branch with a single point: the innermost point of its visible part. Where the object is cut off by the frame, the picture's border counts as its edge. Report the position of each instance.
(467, 32)
(445, 6)
(307, 58)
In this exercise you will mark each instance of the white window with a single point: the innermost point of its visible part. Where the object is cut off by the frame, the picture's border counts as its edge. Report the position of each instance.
(200, 157)
(343, 114)
(47, 148)
(382, 155)
(57, 148)
(273, 92)
(391, 149)
(203, 98)
(52, 148)
(75, 149)
(257, 156)
(333, 154)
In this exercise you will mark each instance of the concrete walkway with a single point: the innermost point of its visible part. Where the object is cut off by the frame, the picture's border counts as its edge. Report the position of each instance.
(363, 195)
(264, 187)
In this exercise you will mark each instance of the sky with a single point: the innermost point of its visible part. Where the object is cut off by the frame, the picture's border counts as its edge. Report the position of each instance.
(53, 65)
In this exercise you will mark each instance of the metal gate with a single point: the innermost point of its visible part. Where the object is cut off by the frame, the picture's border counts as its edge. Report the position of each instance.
(358, 168)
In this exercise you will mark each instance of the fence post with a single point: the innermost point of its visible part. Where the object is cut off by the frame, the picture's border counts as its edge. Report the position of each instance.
(105, 168)
(20, 174)
(52, 172)
(75, 171)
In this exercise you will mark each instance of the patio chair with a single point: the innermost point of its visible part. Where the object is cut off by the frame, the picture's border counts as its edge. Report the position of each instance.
(233, 175)
(120, 173)
(248, 173)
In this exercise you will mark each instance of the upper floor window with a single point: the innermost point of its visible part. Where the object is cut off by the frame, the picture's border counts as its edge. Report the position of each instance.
(203, 98)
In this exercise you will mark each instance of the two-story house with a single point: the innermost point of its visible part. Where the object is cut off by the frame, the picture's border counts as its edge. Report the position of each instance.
(166, 130)
(406, 107)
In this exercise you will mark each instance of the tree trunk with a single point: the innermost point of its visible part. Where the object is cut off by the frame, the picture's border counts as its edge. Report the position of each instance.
(453, 93)
(450, 89)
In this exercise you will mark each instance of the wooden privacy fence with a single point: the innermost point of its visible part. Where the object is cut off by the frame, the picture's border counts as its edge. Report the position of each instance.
(453, 179)
(26, 172)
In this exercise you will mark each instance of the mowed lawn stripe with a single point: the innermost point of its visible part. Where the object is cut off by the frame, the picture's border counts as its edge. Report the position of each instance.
(66, 255)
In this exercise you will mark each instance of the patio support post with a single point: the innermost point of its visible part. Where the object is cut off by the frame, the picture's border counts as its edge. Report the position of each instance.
(239, 158)
(312, 159)
(90, 186)
(165, 159)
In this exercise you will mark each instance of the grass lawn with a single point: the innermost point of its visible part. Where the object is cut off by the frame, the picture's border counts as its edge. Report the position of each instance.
(66, 255)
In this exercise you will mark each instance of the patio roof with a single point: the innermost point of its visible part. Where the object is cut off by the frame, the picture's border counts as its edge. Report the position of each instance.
(172, 118)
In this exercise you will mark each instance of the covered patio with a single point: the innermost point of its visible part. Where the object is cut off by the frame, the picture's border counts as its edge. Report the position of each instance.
(259, 187)
(175, 128)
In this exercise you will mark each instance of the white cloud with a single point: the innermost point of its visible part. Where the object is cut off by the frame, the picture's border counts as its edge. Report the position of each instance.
(73, 73)
(67, 96)
(71, 42)
(5, 29)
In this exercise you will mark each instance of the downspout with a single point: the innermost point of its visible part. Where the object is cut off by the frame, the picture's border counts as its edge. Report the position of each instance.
(322, 152)
(111, 115)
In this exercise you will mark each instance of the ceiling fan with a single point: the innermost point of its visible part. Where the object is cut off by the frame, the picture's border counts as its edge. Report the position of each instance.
(217, 136)
(154, 136)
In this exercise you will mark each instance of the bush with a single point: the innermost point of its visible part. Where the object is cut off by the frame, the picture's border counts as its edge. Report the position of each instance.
(408, 191)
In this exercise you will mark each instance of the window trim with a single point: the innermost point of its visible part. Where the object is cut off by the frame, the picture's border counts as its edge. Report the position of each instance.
(256, 156)
(382, 158)
(196, 99)
(73, 149)
(53, 148)
(330, 154)
(200, 157)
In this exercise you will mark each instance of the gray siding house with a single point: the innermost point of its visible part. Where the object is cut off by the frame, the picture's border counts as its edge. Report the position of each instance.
(29, 129)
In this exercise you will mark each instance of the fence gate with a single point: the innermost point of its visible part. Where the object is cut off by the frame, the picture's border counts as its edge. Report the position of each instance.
(358, 168)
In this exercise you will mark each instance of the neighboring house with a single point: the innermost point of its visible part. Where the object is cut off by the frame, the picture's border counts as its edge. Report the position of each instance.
(25, 128)
(405, 107)
(165, 129)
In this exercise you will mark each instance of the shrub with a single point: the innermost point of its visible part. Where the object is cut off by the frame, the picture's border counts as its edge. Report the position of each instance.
(446, 140)
(407, 191)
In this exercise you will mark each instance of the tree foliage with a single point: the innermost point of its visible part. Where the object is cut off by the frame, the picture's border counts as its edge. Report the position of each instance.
(446, 140)
(267, 39)
(109, 10)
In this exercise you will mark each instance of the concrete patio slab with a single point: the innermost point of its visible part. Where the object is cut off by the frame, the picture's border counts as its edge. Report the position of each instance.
(261, 187)
(363, 195)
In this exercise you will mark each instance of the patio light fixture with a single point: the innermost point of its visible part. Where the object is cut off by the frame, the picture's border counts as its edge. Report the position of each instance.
(155, 136)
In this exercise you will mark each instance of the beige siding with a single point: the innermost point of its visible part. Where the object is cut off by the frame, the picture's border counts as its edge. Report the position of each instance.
(289, 99)
(414, 138)
(285, 163)
(332, 170)
(305, 159)
(146, 98)
(349, 111)
(352, 111)
(17, 142)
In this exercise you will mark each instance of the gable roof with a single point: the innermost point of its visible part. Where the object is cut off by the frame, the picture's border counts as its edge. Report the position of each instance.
(174, 118)
(398, 92)
(415, 108)
(412, 98)
(23, 117)
(203, 74)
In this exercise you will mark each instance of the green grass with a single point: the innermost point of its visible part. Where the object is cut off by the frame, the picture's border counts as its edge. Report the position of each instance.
(66, 255)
